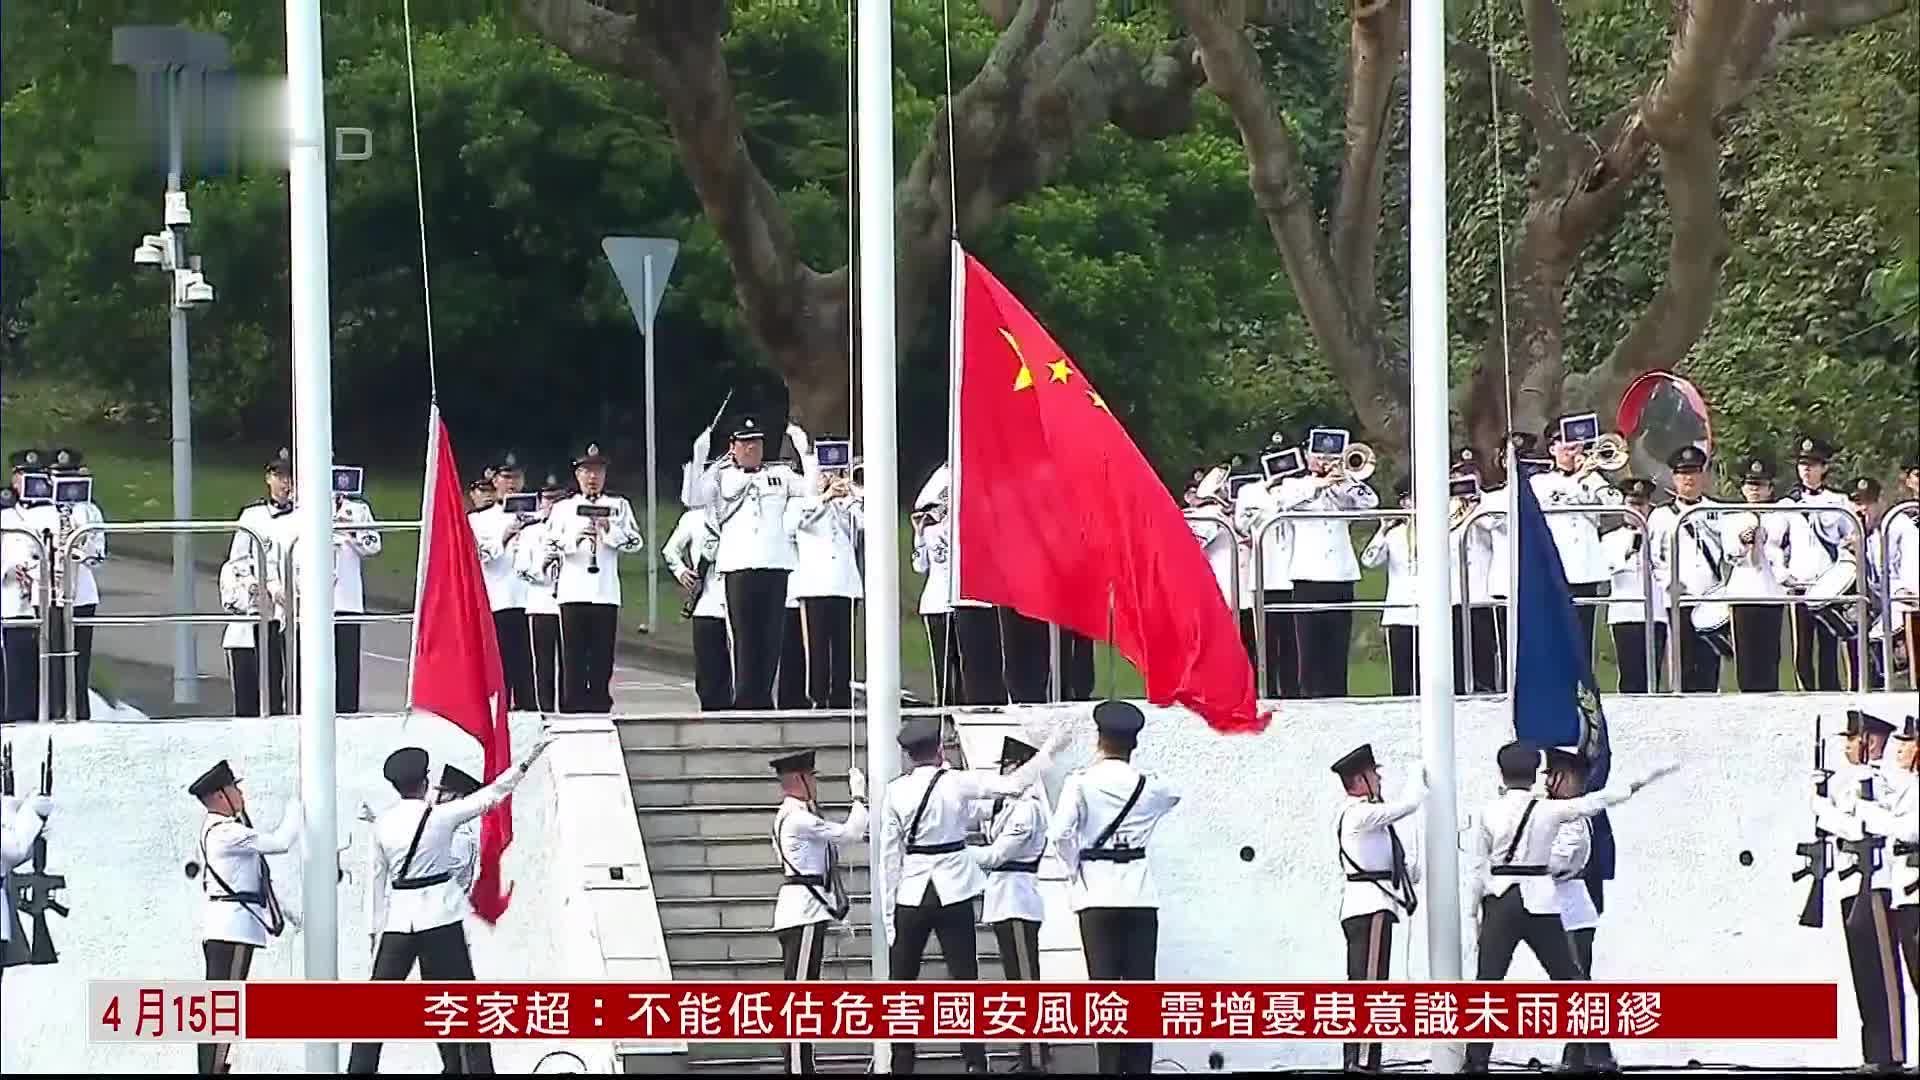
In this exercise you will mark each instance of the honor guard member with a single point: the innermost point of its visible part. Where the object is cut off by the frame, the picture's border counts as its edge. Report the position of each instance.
(241, 912)
(1573, 482)
(1702, 565)
(1324, 569)
(1379, 877)
(826, 581)
(75, 593)
(690, 558)
(1900, 824)
(1255, 505)
(1515, 899)
(747, 496)
(20, 601)
(1858, 794)
(590, 531)
(923, 827)
(417, 857)
(21, 823)
(1756, 563)
(351, 547)
(537, 558)
(933, 558)
(1818, 542)
(1579, 914)
(1392, 547)
(812, 895)
(497, 532)
(1629, 610)
(1016, 835)
(1105, 816)
(245, 585)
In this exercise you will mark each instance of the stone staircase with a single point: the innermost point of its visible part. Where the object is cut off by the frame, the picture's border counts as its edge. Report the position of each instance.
(705, 796)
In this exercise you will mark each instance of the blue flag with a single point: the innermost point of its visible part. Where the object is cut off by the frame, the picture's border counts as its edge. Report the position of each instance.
(1556, 701)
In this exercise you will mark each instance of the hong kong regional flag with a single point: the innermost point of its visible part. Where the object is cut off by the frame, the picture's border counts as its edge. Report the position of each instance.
(1056, 511)
(456, 656)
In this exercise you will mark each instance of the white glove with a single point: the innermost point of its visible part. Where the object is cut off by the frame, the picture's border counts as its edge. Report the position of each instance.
(1653, 774)
(799, 438)
(857, 782)
(40, 806)
(702, 443)
(539, 747)
(365, 813)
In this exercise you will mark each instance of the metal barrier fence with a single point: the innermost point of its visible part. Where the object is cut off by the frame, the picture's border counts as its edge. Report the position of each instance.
(1890, 627)
(1257, 543)
(37, 595)
(352, 618)
(1678, 601)
(169, 528)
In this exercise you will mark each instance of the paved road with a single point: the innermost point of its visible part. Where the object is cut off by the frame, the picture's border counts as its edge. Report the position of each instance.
(137, 662)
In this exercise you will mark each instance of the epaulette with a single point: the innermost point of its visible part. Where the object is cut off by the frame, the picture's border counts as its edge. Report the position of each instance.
(254, 503)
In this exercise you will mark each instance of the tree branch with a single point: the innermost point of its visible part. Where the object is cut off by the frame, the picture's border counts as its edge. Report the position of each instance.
(1549, 125)
(1377, 40)
(1547, 53)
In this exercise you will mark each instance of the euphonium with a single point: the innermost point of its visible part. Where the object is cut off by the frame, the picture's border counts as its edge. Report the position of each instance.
(1607, 454)
(1356, 463)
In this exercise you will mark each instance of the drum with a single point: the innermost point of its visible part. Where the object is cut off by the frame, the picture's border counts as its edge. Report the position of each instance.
(1713, 620)
(1830, 598)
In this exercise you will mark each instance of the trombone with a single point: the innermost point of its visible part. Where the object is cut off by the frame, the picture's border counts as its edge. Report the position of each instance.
(1356, 462)
(1606, 454)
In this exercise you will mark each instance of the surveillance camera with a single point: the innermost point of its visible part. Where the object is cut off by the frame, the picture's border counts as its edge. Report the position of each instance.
(177, 212)
(192, 289)
(199, 293)
(146, 255)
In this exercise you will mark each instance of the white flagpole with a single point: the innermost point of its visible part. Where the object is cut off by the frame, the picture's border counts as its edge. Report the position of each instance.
(427, 491)
(956, 342)
(313, 457)
(1428, 159)
(874, 155)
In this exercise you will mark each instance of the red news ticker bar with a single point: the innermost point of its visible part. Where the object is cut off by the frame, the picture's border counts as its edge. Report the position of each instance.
(1027, 1011)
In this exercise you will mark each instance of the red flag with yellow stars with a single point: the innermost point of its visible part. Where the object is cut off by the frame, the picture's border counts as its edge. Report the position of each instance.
(1057, 512)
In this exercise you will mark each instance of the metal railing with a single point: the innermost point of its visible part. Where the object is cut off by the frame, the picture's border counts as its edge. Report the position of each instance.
(1257, 541)
(39, 598)
(1888, 626)
(349, 618)
(1681, 622)
(170, 528)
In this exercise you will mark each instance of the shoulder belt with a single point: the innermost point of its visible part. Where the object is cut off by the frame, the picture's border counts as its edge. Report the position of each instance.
(835, 899)
(1505, 867)
(403, 883)
(274, 923)
(1098, 851)
(913, 827)
(1401, 892)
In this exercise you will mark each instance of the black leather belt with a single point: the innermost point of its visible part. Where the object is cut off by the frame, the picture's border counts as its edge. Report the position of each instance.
(240, 898)
(818, 881)
(1123, 855)
(936, 849)
(1371, 875)
(427, 882)
(1901, 847)
(1519, 871)
(1030, 867)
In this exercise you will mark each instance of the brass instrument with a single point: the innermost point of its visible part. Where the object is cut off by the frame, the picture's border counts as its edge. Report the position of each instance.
(1356, 462)
(1607, 454)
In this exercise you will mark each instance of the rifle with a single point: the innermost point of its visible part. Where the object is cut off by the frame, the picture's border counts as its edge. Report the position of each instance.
(37, 888)
(1817, 851)
(1865, 851)
(6, 769)
(1912, 854)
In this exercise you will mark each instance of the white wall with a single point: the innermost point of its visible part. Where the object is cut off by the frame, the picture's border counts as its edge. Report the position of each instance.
(1682, 907)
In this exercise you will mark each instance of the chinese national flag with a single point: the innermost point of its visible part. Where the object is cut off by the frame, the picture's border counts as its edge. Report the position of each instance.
(1059, 511)
(456, 657)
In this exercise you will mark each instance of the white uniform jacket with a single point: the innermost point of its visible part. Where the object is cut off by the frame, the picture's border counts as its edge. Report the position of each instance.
(45, 517)
(1621, 548)
(532, 556)
(1366, 839)
(1572, 847)
(498, 535)
(1253, 508)
(808, 847)
(1016, 833)
(1703, 557)
(690, 546)
(578, 540)
(1577, 536)
(750, 511)
(438, 858)
(1493, 837)
(1392, 547)
(1323, 550)
(826, 534)
(1089, 805)
(240, 906)
(19, 828)
(933, 557)
(244, 584)
(934, 850)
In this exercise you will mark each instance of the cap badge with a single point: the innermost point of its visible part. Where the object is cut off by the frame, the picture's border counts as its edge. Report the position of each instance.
(1806, 444)
(593, 449)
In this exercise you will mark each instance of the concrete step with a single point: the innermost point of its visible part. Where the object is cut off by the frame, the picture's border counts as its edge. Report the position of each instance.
(736, 912)
(793, 730)
(661, 762)
(851, 962)
(762, 881)
(760, 944)
(748, 850)
(732, 818)
(729, 788)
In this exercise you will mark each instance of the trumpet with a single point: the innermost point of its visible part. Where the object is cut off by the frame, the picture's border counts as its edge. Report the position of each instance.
(1356, 463)
(1607, 454)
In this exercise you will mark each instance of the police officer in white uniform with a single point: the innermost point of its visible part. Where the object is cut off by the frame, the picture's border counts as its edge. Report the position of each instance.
(241, 912)
(933, 558)
(1392, 547)
(55, 522)
(1102, 823)
(590, 530)
(21, 823)
(465, 848)
(689, 552)
(536, 559)
(350, 549)
(1628, 612)
(1822, 540)
(1254, 505)
(1016, 833)
(1756, 563)
(1380, 876)
(1571, 482)
(19, 599)
(923, 826)
(979, 674)
(1324, 570)
(827, 529)
(1702, 567)
(1579, 913)
(1479, 542)
(746, 496)
(1513, 895)
(245, 585)
(813, 894)
(417, 856)
(498, 534)
(1864, 494)
(1903, 565)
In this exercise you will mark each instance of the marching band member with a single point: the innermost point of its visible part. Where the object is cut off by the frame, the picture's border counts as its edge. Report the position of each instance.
(480, 494)
(1392, 547)
(1379, 876)
(1702, 565)
(592, 530)
(498, 534)
(933, 558)
(537, 560)
(790, 670)
(1903, 568)
(973, 626)
(1579, 910)
(812, 896)
(826, 581)
(689, 553)
(1016, 835)
(55, 521)
(350, 549)
(245, 585)
(19, 599)
(1864, 495)
(1573, 482)
(1814, 547)
(1758, 561)
(1478, 540)
(1323, 570)
(1254, 506)
(1629, 610)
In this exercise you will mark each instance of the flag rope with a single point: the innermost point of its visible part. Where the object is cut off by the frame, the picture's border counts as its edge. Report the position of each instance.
(420, 201)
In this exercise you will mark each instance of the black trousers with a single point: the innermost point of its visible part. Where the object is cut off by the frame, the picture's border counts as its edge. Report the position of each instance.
(1026, 643)
(1756, 646)
(1020, 961)
(586, 656)
(62, 632)
(712, 663)
(1593, 1056)
(756, 621)
(21, 653)
(1482, 671)
(443, 957)
(1076, 666)
(982, 675)
(801, 950)
(1403, 660)
(790, 685)
(1816, 652)
(1587, 611)
(1699, 662)
(1875, 961)
(1283, 646)
(1505, 922)
(227, 961)
(243, 668)
(1121, 944)
(510, 626)
(826, 632)
(1906, 927)
(346, 667)
(943, 647)
(1369, 956)
(1630, 653)
(952, 923)
(545, 630)
(1325, 638)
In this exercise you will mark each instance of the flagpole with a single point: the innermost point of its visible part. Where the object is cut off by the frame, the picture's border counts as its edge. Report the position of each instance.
(874, 171)
(1428, 156)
